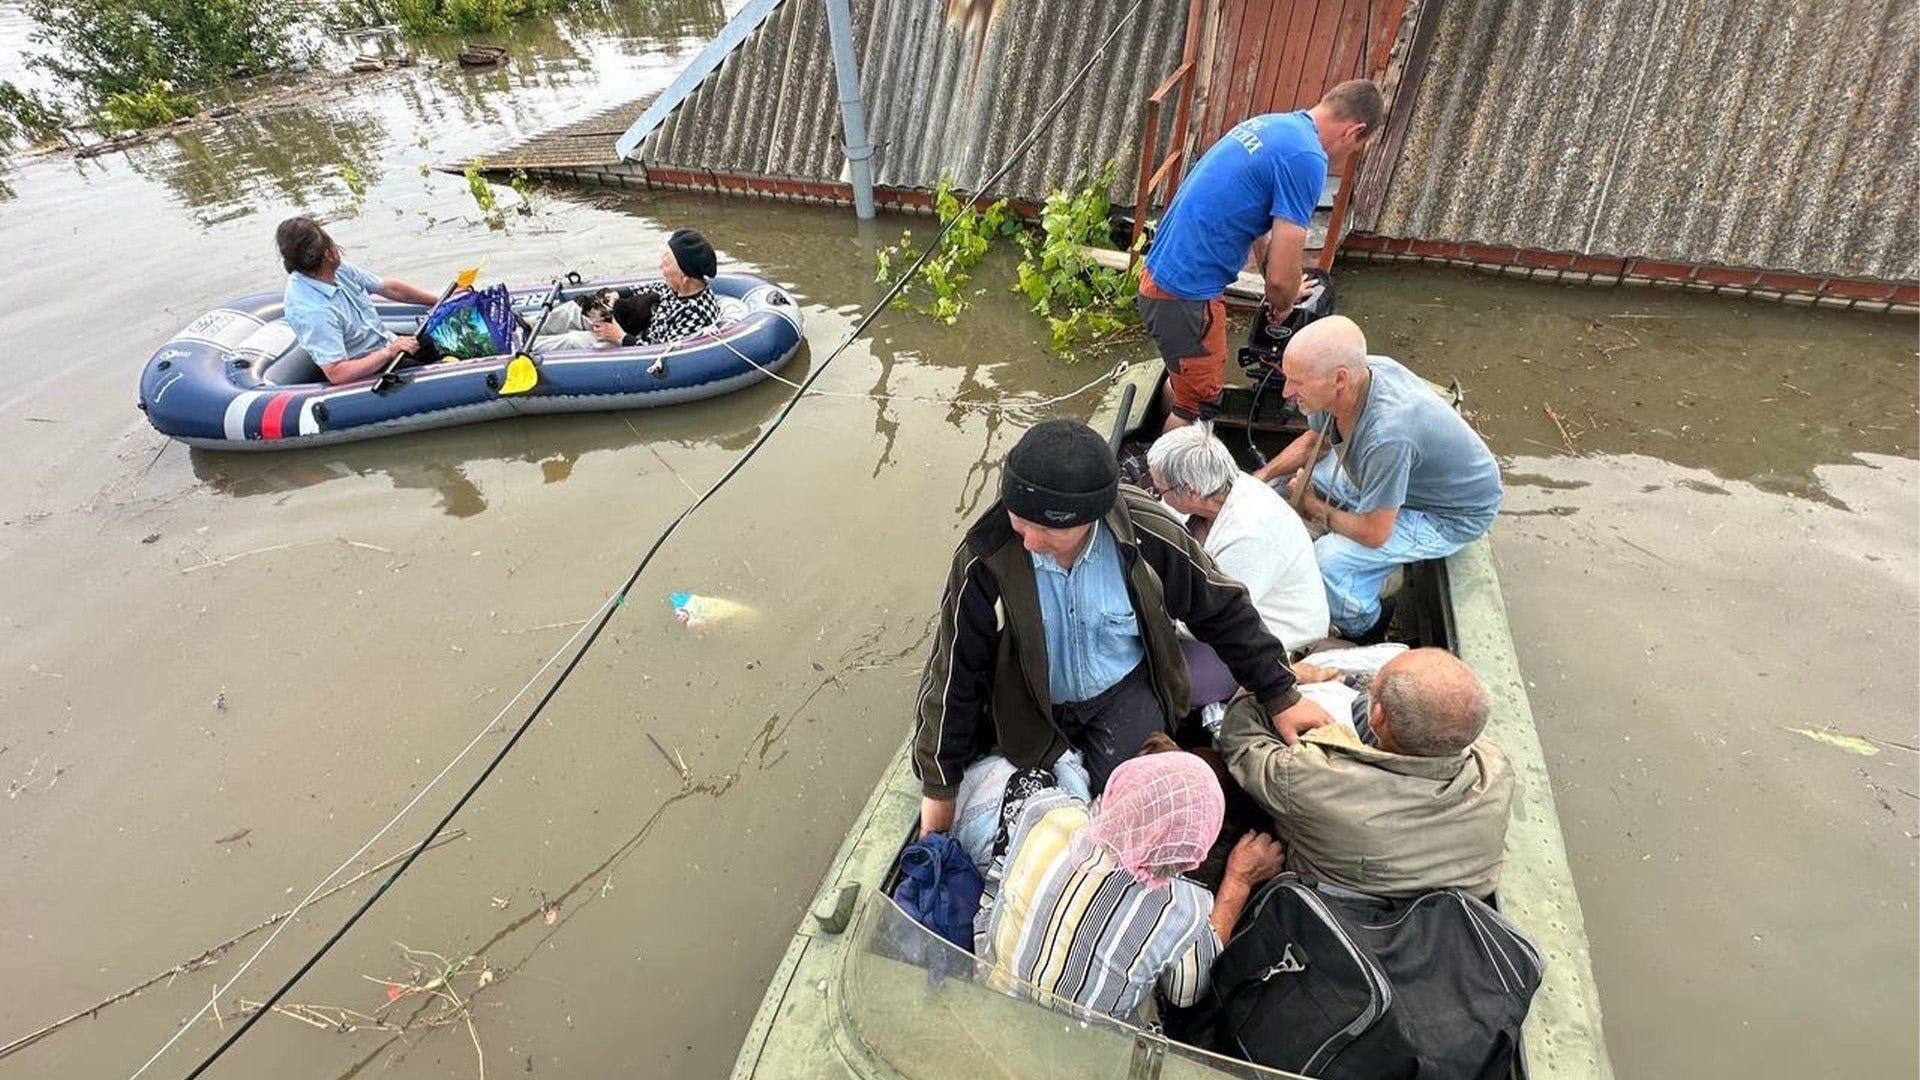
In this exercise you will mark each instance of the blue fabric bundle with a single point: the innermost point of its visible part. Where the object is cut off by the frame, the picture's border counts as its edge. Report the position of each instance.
(940, 887)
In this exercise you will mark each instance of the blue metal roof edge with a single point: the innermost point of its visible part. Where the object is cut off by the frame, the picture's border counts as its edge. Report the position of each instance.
(746, 22)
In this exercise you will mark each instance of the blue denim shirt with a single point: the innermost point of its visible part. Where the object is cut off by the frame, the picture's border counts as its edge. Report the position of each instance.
(1093, 636)
(335, 322)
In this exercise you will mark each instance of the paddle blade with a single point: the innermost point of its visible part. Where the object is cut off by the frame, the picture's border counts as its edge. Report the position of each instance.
(465, 278)
(522, 376)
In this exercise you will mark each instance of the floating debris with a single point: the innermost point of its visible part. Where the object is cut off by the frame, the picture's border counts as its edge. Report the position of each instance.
(703, 613)
(482, 55)
(1852, 744)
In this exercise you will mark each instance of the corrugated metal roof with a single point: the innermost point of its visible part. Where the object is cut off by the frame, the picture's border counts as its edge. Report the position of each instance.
(951, 86)
(1767, 133)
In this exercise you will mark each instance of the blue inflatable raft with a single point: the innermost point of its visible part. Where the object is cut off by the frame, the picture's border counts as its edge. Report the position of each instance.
(235, 378)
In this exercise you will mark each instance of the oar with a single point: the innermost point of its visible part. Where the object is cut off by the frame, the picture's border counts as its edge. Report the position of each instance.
(463, 280)
(523, 371)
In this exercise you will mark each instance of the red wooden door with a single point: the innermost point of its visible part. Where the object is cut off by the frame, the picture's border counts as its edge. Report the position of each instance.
(1280, 55)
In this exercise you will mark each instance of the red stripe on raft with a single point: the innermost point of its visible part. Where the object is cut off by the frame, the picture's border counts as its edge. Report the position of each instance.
(276, 409)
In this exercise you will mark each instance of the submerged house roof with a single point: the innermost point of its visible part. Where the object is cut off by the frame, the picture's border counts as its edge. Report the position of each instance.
(1769, 133)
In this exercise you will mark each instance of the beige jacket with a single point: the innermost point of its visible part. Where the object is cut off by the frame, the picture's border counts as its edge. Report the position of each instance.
(1365, 819)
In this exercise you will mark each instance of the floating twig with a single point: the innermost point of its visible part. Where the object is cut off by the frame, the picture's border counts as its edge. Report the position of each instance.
(544, 626)
(1559, 422)
(237, 556)
(269, 549)
(674, 760)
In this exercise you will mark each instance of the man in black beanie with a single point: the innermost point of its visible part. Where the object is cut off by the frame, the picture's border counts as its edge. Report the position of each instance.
(1056, 627)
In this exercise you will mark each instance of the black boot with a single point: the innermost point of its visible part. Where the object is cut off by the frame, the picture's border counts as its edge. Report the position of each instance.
(1377, 633)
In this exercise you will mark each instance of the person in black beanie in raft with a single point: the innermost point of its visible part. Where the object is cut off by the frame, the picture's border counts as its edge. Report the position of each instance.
(679, 307)
(1056, 627)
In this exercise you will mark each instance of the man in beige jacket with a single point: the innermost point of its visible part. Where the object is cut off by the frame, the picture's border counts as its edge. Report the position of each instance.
(1418, 802)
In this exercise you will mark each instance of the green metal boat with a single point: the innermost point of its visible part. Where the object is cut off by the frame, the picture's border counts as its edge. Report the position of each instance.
(863, 991)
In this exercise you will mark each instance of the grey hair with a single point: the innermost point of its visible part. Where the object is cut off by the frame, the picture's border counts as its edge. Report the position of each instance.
(1436, 706)
(1192, 460)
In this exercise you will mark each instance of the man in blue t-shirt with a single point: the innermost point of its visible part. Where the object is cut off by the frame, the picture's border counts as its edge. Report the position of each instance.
(1261, 181)
(1399, 475)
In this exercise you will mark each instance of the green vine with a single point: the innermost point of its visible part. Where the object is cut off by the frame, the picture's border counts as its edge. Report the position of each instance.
(1083, 302)
(483, 196)
(946, 274)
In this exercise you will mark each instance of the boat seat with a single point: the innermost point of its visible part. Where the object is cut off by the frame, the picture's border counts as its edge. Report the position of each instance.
(294, 366)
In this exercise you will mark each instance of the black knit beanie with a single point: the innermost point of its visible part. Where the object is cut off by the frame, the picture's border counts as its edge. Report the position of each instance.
(693, 253)
(1060, 474)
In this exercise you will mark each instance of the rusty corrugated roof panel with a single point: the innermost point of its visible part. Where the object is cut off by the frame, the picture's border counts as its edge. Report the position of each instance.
(1768, 133)
(951, 86)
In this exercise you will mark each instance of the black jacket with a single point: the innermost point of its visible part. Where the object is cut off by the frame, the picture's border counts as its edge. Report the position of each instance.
(985, 684)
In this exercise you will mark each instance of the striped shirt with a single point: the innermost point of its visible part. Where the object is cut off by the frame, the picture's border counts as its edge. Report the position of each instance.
(675, 316)
(1082, 929)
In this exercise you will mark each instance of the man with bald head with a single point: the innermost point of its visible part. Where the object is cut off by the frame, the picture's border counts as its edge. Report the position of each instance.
(1400, 475)
(1417, 801)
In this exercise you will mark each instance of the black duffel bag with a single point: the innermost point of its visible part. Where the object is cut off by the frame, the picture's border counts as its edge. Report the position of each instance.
(1339, 985)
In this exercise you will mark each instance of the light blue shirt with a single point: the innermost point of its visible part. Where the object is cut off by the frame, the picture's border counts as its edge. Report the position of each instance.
(335, 322)
(1093, 636)
(1410, 448)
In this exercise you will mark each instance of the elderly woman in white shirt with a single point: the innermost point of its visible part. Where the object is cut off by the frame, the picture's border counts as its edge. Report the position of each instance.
(1252, 534)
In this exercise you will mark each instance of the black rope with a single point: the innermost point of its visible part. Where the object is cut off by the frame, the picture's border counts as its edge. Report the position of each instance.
(606, 614)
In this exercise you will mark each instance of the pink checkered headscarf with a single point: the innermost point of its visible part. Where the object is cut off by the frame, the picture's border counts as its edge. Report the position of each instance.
(1160, 816)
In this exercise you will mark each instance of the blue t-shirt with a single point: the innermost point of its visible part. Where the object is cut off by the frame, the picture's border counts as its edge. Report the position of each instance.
(335, 322)
(1267, 167)
(1093, 636)
(1410, 448)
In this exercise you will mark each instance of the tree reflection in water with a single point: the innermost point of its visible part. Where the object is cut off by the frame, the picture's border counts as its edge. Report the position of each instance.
(290, 155)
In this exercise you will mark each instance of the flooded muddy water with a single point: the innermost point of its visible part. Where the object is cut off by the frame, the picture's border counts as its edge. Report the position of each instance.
(1710, 547)
(219, 674)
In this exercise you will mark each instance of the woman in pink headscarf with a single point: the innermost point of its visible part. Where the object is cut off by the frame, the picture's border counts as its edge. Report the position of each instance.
(1090, 907)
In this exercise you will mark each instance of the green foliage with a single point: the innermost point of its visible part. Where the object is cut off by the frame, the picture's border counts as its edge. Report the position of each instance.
(340, 15)
(477, 184)
(523, 185)
(27, 116)
(483, 196)
(121, 50)
(1082, 301)
(427, 17)
(947, 273)
(152, 107)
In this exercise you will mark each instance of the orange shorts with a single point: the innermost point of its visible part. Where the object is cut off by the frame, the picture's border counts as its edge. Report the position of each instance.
(1192, 336)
